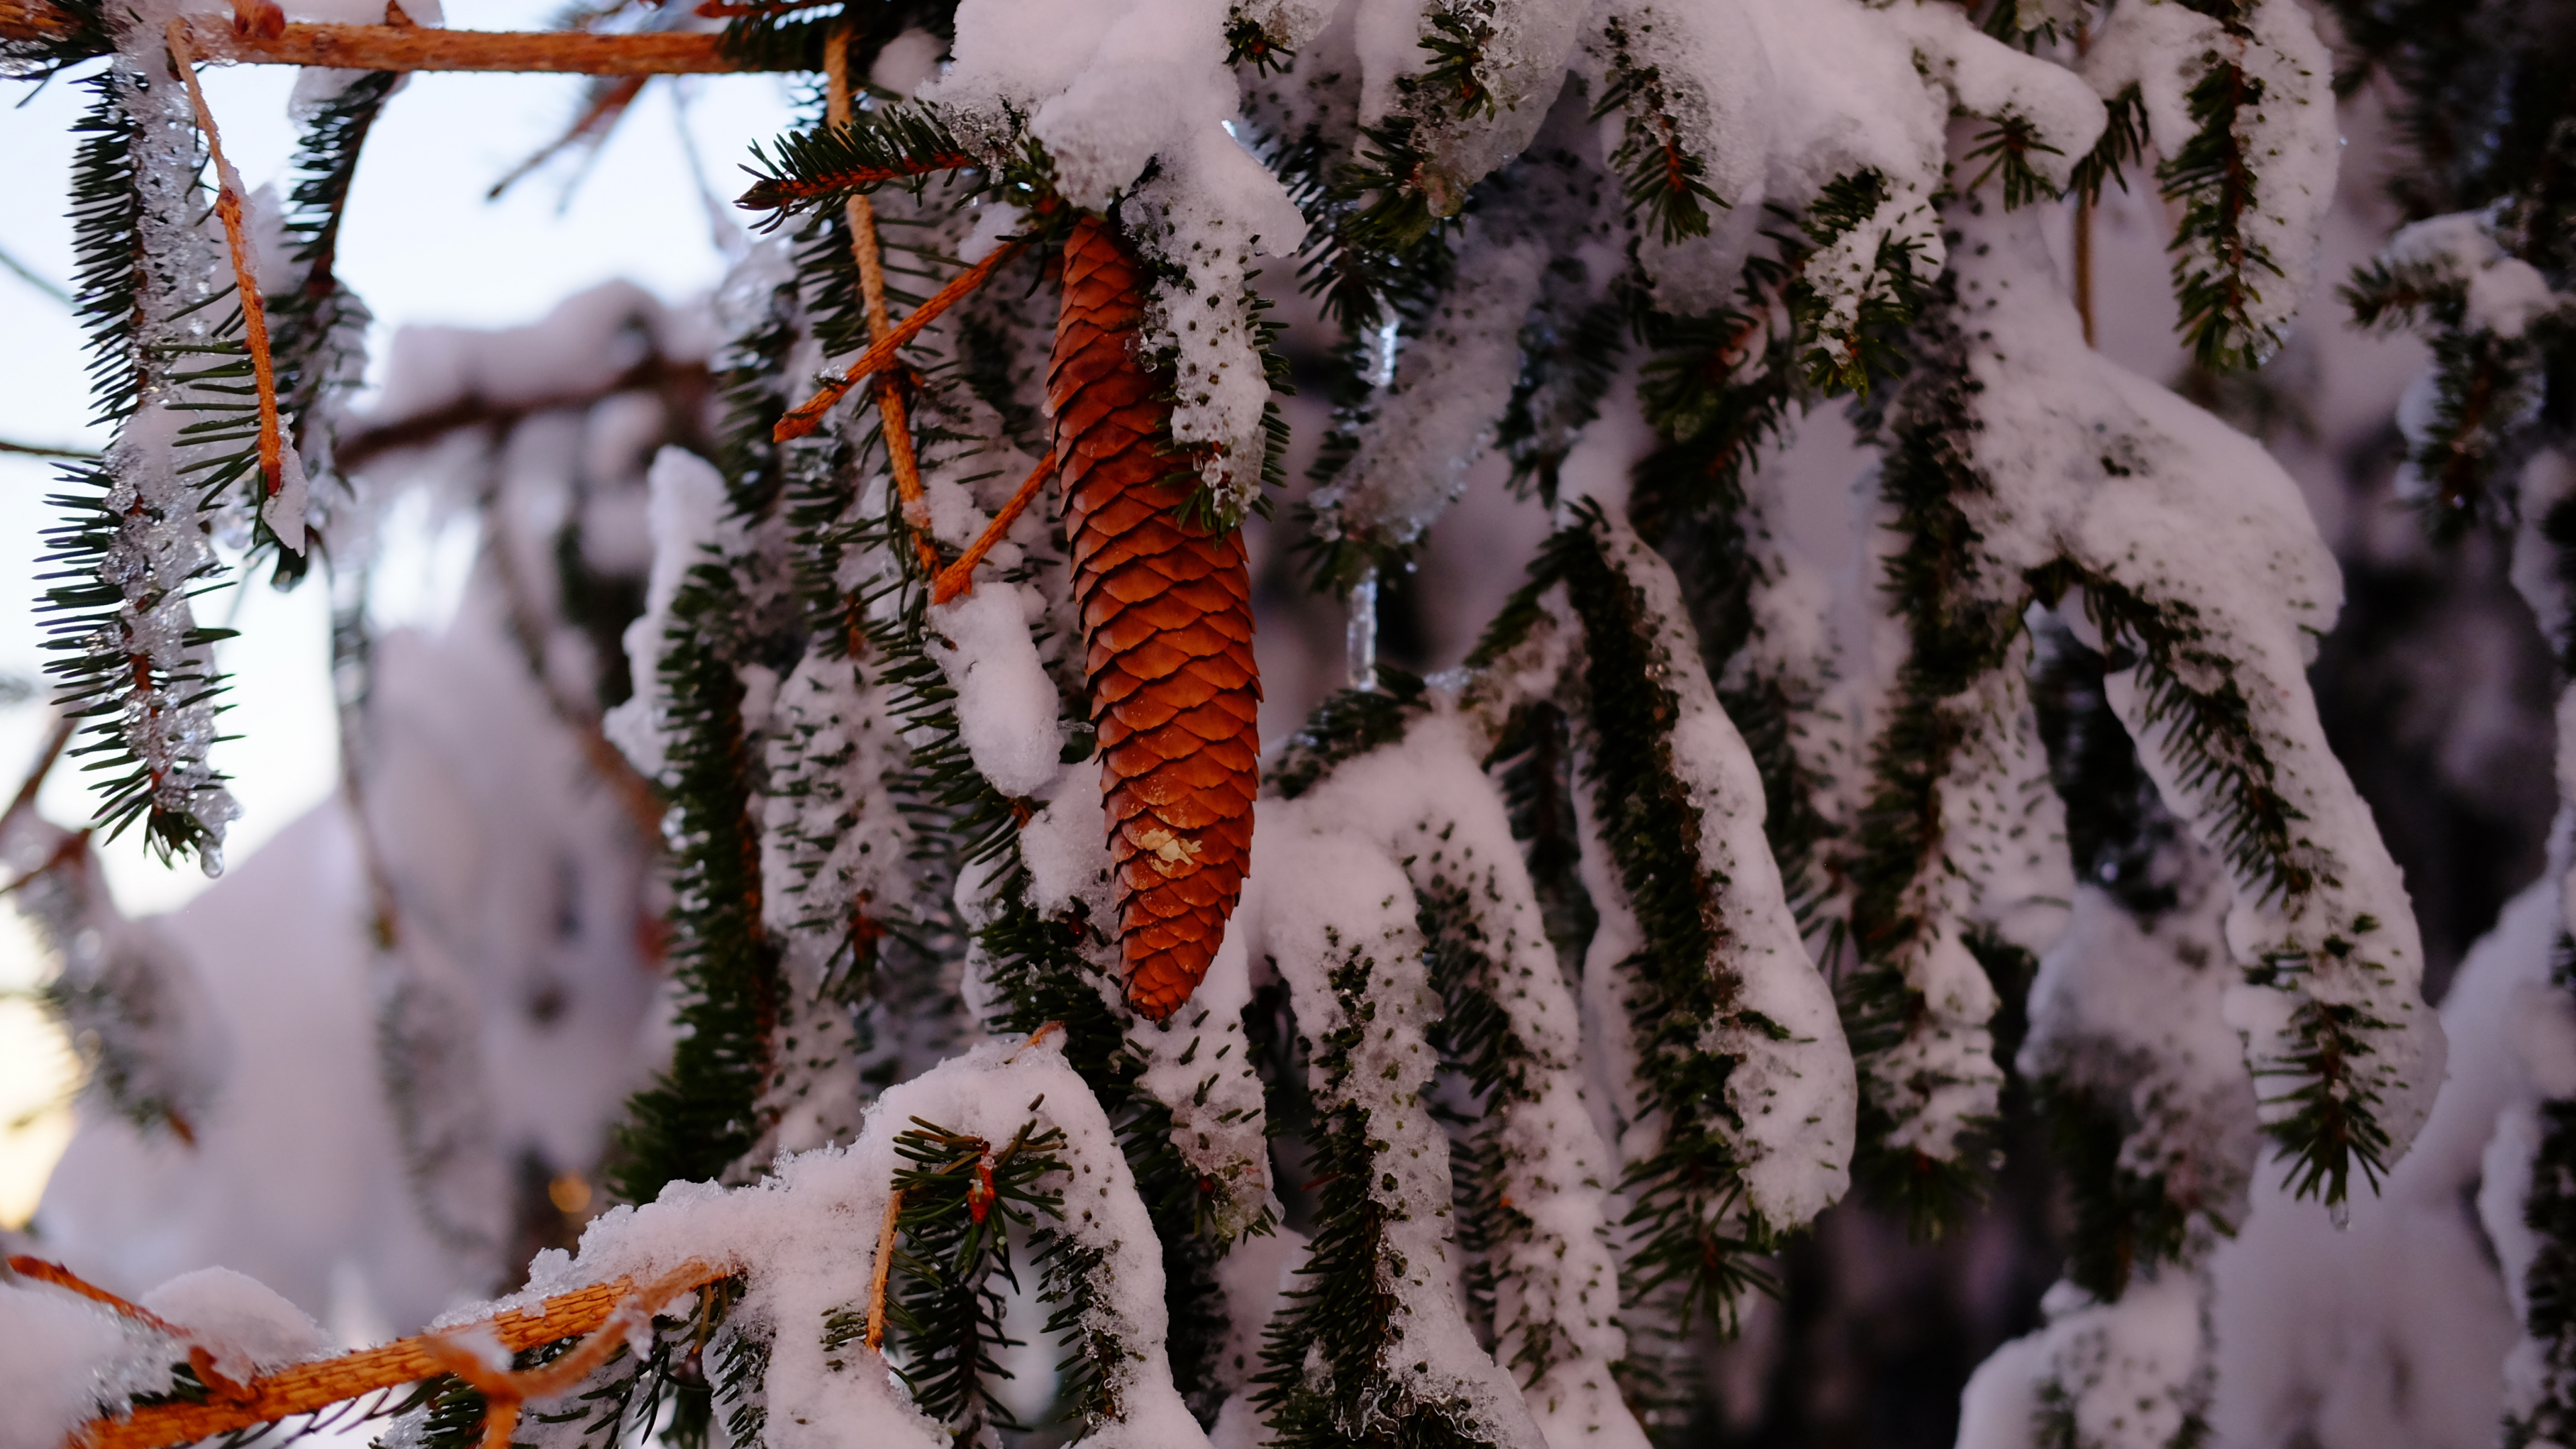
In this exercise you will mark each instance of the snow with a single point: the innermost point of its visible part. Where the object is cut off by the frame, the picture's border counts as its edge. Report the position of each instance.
(1006, 704)
(2117, 1375)
(1792, 1086)
(1108, 86)
(2504, 293)
(589, 340)
(2089, 461)
(686, 516)
(1353, 904)
(64, 1360)
(1198, 1064)
(244, 1326)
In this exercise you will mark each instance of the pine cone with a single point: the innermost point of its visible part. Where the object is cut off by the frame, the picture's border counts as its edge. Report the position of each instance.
(1167, 632)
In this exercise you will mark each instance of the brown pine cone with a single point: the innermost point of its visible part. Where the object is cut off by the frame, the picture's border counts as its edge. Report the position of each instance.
(1167, 630)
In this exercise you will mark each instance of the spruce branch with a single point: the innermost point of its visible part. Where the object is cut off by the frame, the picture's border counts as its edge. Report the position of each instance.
(254, 309)
(1659, 174)
(851, 156)
(429, 48)
(311, 1387)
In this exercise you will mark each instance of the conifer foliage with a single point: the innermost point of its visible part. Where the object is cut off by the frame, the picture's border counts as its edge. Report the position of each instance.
(1446, 1078)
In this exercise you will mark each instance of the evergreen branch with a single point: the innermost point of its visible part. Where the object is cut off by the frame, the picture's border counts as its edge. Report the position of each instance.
(1659, 174)
(1326, 1379)
(1247, 42)
(2218, 268)
(1960, 631)
(2124, 141)
(2327, 1121)
(699, 1119)
(310, 1387)
(131, 552)
(960, 1200)
(2007, 146)
(823, 166)
(1696, 1236)
(1852, 288)
(430, 48)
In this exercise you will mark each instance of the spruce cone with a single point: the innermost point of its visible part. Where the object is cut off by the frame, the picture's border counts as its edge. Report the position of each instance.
(1167, 630)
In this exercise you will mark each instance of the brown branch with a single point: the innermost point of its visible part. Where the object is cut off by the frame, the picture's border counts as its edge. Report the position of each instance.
(309, 1387)
(2084, 265)
(38, 450)
(597, 119)
(71, 1282)
(959, 577)
(254, 307)
(779, 191)
(504, 1390)
(892, 412)
(635, 794)
(877, 1276)
(25, 799)
(656, 373)
(394, 47)
(808, 415)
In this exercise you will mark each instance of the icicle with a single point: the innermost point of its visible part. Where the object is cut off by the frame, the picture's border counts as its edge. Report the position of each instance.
(1359, 635)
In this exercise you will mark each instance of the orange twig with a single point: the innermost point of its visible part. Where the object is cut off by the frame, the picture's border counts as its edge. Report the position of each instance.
(399, 47)
(307, 1388)
(228, 205)
(504, 1390)
(808, 415)
(771, 193)
(71, 1282)
(891, 409)
(959, 577)
(884, 1265)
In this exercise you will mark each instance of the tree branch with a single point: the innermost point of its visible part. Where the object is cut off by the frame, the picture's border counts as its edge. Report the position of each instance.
(306, 1388)
(399, 47)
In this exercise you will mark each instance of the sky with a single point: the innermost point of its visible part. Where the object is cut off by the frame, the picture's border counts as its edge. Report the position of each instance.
(422, 245)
